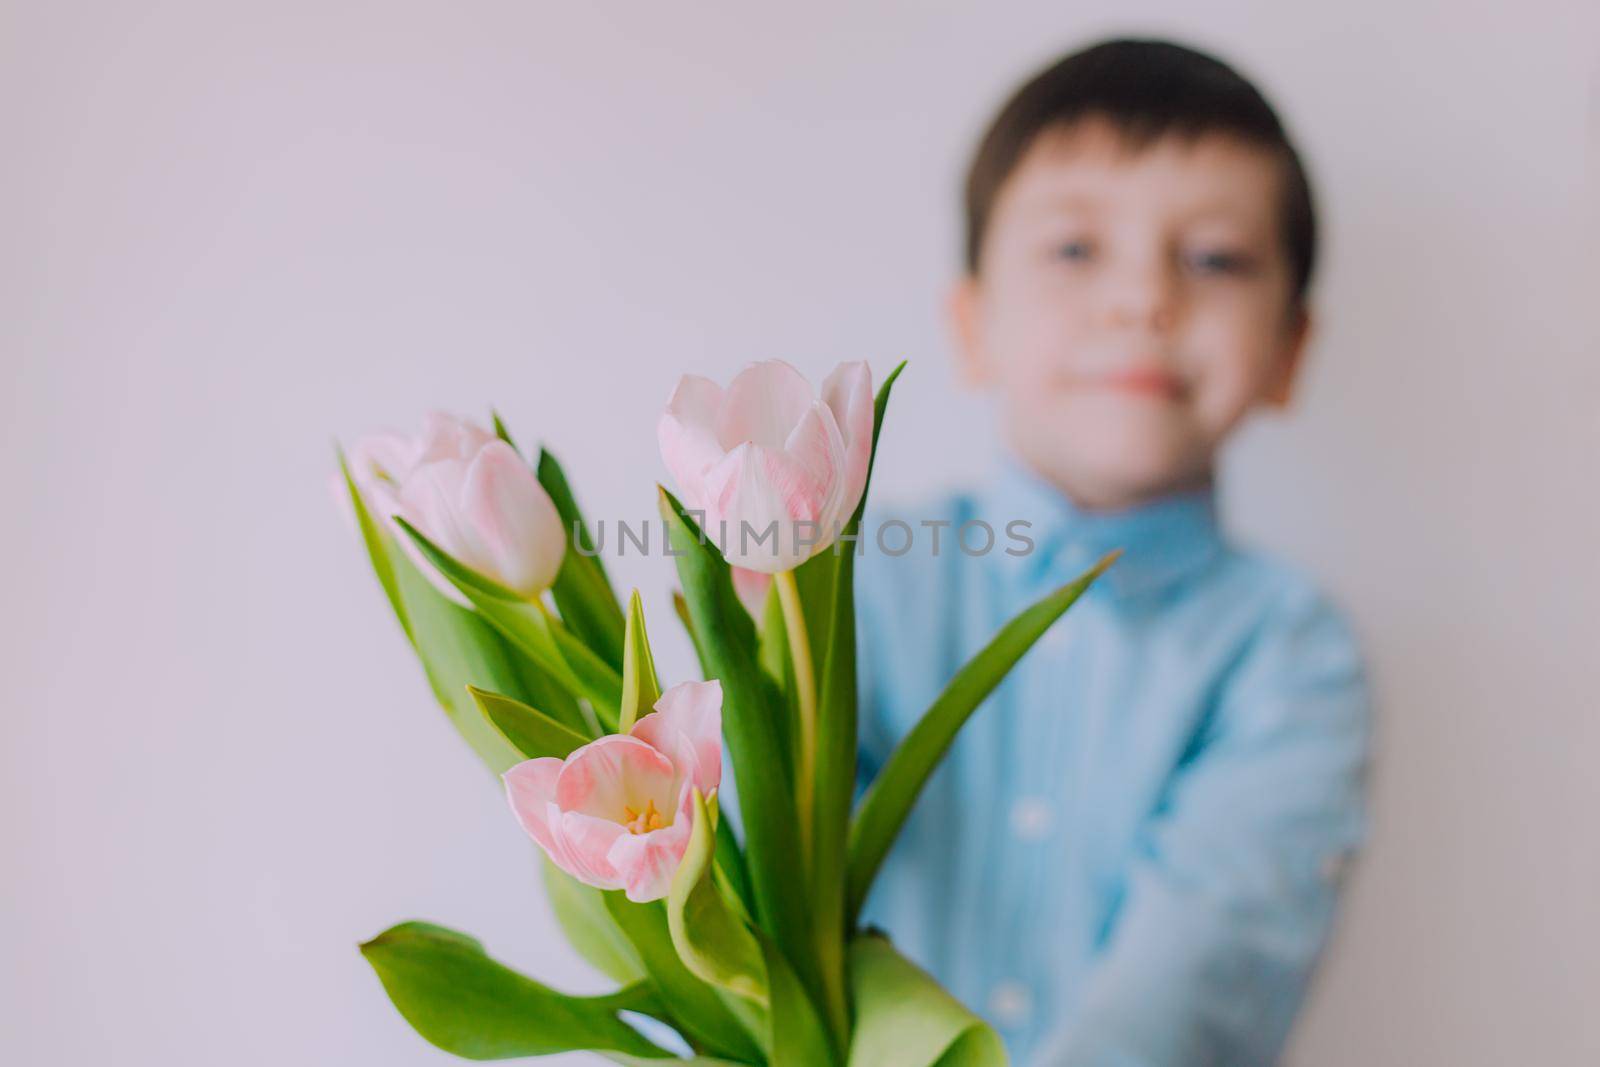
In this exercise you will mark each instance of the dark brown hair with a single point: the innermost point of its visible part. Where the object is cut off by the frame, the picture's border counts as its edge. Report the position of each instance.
(1147, 90)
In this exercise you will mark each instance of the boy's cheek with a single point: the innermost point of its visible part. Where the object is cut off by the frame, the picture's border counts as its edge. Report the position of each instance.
(1224, 396)
(1231, 369)
(1032, 351)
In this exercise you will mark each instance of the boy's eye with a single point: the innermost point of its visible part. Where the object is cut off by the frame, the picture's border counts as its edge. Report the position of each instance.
(1216, 261)
(1073, 251)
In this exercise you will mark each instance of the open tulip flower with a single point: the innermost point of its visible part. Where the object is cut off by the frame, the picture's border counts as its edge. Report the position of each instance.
(739, 935)
(471, 494)
(615, 814)
(768, 452)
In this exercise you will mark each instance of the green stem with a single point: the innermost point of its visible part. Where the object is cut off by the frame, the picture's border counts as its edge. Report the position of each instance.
(805, 684)
(583, 673)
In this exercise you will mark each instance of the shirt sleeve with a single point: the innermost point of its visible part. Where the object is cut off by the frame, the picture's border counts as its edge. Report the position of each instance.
(1231, 890)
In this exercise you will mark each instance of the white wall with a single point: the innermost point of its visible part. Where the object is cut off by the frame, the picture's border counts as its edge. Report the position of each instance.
(230, 235)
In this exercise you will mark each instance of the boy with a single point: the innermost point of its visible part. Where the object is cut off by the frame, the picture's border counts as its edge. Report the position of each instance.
(1132, 852)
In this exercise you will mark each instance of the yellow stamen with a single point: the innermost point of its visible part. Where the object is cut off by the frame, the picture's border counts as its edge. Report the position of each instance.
(642, 822)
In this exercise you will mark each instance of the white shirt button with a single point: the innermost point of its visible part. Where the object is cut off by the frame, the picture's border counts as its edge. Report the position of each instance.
(1031, 819)
(1010, 1003)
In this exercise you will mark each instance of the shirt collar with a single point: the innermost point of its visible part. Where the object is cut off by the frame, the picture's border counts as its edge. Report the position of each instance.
(1163, 541)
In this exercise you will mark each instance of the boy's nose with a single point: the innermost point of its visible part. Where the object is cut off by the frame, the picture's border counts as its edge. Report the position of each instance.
(1142, 296)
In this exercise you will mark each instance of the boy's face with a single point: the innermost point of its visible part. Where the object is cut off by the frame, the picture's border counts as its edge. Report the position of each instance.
(1131, 307)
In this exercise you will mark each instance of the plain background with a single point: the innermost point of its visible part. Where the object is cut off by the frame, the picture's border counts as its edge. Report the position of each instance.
(231, 233)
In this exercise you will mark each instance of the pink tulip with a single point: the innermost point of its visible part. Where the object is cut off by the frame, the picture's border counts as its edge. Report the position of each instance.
(469, 493)
(616, 813)
(767, 454)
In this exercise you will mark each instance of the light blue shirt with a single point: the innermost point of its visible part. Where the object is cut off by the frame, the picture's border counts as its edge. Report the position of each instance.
(1130, 856)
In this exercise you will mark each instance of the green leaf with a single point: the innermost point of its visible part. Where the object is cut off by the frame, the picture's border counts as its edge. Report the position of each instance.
(528, 626)
(731, 867)
(456, 997)
(681, 607)
(456, 646)
(541, 690)
(730, 857)
(773, 642)
(582, 592)
(457, 649)
(530, 731)
(654, 1061)
(797, 1037)
(890, 797)
(815, 579)
(600, 682)
(710, 937)
(751, 723)
(377, 545)
(464, 578)
(640, 687)
(836, 749)
(501, 432)
(906, 1019)
(581, 910)
(696, 1008)
(779, 667)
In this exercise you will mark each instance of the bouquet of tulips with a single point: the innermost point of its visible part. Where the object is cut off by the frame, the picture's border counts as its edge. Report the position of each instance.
(746, 944)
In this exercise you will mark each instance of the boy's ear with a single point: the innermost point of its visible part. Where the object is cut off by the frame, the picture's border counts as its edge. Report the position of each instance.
(964, 305)
(1291, 357)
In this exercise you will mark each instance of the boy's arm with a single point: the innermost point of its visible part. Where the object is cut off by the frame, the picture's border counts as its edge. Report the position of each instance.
(1232, 888)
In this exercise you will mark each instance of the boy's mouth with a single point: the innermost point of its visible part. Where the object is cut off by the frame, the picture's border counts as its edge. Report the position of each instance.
(1139, 381)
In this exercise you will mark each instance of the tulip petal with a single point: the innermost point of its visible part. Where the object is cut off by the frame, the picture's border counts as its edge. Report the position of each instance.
(687, 435)
(585, 842)
(515, 526)
(382, 458)
(762, 405)
(645, 863)
(379, 463)
(530, 789)
(764, 498)
(751, 587)
(848, 393)
(427, 501)
(613, 773)
(816, 447)
(686, 725)
(448, 437)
